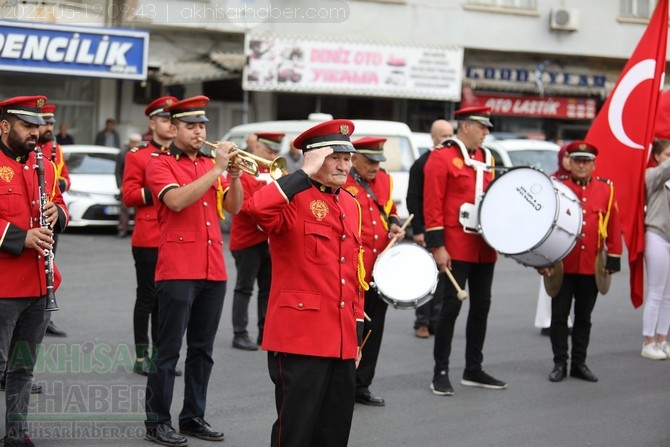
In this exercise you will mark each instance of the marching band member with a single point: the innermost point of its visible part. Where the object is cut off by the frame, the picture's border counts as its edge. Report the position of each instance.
(455, 178)
(601, 228)
(145, 239)
(249, 247)
(190, 194)
(372, 187)
(23, 318)
(314, 323)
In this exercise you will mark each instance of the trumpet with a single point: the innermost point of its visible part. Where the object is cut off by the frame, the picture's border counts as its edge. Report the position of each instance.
(249, 163)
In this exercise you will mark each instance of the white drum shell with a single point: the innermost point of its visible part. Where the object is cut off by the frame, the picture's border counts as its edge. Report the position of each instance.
(530, 217)
(405, 276)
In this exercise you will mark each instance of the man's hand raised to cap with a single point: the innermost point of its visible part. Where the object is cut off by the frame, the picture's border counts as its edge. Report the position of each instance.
(313, 160)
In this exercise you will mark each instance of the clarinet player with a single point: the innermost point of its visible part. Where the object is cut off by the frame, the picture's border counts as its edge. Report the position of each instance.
(25, 242)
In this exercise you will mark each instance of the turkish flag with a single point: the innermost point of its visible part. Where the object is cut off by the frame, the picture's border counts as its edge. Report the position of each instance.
(623, 131)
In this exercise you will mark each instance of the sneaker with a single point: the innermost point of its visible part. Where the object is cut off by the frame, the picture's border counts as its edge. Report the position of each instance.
(653, 351)
(481, 379)
(665, 347)
(441, 384)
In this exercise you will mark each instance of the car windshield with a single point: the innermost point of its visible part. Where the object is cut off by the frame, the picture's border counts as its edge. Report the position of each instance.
(90, 163)
(541, 159)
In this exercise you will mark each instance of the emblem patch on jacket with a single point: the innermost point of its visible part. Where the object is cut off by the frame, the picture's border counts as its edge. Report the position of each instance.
(458, 163)
(352, 189)
(6, 173)
(319, 209)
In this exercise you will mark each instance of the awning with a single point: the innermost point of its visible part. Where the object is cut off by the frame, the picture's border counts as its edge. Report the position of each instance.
(183, 58)
(212, 67)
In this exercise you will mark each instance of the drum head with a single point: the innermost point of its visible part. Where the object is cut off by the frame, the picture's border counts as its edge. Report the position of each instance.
(518, 210)
(405, 273)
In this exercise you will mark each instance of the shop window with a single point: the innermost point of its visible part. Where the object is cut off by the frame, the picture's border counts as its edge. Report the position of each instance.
(146, 91)
(223, 90)
(640, 9)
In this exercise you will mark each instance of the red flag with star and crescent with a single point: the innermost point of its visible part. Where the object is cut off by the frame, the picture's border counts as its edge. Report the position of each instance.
(623, 131)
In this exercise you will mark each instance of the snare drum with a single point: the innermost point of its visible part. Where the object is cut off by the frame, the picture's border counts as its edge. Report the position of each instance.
(405, 276)
(530, 217)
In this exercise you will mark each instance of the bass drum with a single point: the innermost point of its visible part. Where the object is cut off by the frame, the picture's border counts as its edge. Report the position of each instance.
(530, 217)
(405, 276)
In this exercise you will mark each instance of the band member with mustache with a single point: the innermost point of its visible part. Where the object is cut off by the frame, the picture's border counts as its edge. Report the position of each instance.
(190, 194)
(455, 175)
(314, 322)
(373, 188)
(145, 240)
(23, 319)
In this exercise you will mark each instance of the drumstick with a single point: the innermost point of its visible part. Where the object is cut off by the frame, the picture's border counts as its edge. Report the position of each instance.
(460, 293)
(360, 349)
(395, 236)
(366, 316)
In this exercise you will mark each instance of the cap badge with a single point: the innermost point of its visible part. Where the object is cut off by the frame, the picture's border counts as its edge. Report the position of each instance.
(168, 102)
(344, 129)
(40, 102)
(582, 146)
(6, 173)
(319, 209)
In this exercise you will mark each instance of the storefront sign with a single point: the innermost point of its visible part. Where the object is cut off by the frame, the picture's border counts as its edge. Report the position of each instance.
(80, 51)
(539, 74)
(535, 106)
(315, 66)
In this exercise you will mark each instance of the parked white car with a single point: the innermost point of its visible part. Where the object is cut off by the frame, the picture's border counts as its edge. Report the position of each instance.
(92, 200)
(510, 153)
(399, 148)
(422, 141)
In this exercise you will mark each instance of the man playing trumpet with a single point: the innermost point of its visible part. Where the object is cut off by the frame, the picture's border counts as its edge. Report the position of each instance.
(190, 194)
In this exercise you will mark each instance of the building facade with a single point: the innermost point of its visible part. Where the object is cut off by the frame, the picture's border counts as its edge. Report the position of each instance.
(544, 66)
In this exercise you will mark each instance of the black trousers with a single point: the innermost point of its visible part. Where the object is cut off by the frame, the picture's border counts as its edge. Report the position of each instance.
(584, 290)
(191, 307)
(428, 313)
(146, 305)
(253, 265)
(479, 278)
(375, 307)
(314, 397)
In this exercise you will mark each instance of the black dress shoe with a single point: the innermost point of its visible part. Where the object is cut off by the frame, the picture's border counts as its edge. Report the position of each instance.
(545, 331)
(164, 434)
(559, 372)
(367, 398)
(54, 330)
(243, 342)
(583, 372)
(200, 428)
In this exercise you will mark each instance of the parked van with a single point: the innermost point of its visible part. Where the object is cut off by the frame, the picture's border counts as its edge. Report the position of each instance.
(399, 149)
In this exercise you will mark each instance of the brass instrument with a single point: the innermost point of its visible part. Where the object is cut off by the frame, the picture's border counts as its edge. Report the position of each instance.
(249, 163)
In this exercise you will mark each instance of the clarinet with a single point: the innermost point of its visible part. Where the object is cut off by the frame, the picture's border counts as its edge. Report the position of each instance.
(51, 304)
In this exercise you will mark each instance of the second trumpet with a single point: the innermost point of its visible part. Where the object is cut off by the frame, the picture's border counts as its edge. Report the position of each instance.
(249, 163)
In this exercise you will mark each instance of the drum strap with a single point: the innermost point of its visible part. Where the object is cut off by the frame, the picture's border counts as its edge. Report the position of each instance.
(367, 188)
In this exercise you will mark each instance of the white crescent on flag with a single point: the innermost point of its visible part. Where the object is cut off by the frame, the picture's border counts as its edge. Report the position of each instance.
(640, 72)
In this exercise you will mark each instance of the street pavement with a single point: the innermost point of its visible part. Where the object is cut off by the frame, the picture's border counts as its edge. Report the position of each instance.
(91, 399)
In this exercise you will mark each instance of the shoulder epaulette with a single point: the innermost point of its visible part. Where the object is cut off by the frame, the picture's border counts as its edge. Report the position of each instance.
(159, 153)
(604, 180)
(448, 143)
(563, 177)
(348, 192)
(137, 148)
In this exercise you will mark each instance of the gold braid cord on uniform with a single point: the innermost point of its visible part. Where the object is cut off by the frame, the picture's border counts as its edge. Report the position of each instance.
(219, 197)
(387, 206)
(360, 265)
(604, 221)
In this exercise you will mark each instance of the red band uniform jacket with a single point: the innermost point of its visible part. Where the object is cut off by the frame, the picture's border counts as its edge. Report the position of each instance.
(136, 193)
(374, 230)
(448, 183)
(22, 270)
(191, 245)
(244, 232)
(594, 197)
(315, 299)
(54, 152)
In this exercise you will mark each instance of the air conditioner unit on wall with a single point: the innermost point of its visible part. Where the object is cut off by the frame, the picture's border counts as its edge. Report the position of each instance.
(564, 19)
